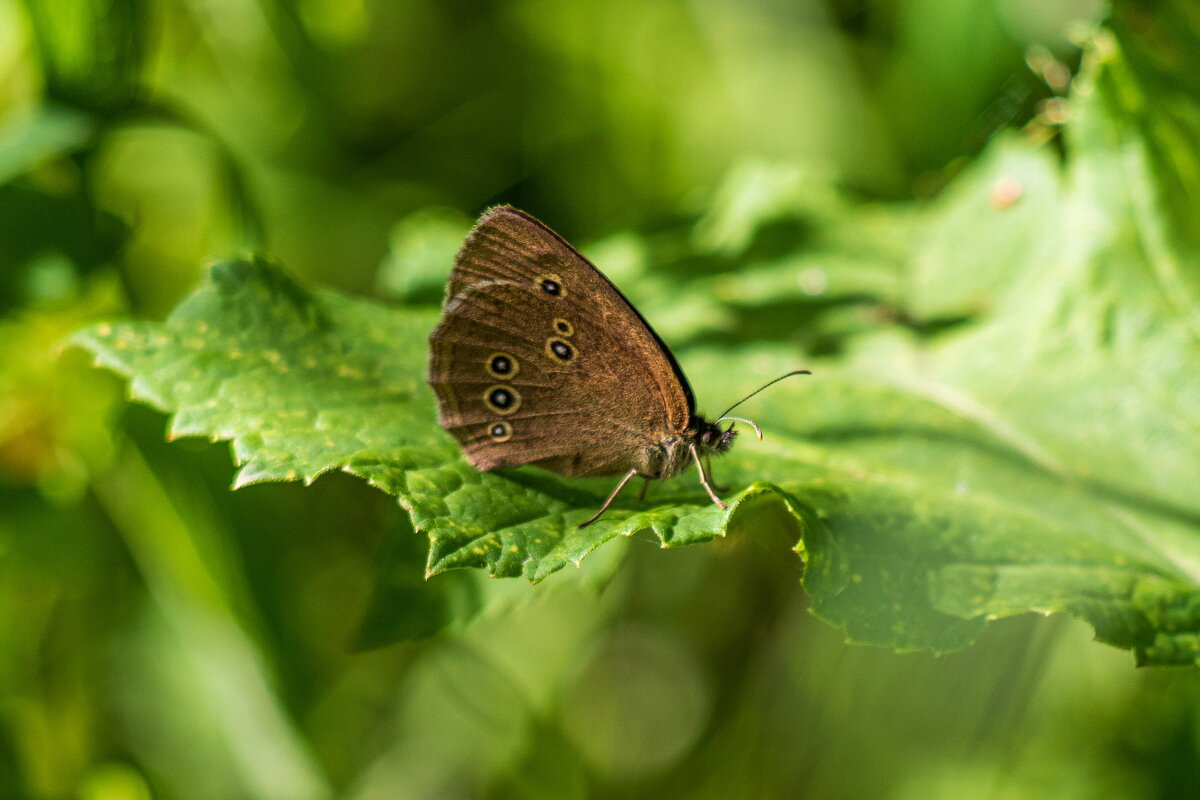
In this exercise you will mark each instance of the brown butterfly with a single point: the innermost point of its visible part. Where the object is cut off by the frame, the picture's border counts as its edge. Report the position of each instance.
(539, 359)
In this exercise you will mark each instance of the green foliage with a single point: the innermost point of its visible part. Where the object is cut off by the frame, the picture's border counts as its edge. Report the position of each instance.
(974, 221)
(933, 481)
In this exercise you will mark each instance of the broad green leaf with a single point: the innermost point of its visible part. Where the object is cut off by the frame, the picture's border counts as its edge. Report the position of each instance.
(28, 141)
(999, 218)
(1080, 386)
(422, 245)
(796, 237)
(1039, 456)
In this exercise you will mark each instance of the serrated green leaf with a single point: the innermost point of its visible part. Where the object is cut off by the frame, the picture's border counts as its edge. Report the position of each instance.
(303, 382)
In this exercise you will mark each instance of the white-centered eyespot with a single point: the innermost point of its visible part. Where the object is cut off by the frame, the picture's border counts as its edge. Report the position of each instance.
(500, 432)
(502, 365)
(502, 399)
(560, 349)
(551, 285)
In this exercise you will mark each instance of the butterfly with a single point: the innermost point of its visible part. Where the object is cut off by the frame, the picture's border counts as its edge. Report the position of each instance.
(539, 359)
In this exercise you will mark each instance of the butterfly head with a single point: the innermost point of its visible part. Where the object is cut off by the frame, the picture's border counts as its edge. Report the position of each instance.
(711, 440)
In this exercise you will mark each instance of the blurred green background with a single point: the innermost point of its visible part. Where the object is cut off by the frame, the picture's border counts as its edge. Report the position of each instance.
(161, 636)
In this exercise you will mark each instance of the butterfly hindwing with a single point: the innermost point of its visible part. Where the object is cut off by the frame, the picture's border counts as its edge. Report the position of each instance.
(539, 359)
(508, 244)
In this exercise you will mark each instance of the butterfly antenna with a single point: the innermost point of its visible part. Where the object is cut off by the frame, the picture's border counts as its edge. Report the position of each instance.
(750, 422)
(756, 391)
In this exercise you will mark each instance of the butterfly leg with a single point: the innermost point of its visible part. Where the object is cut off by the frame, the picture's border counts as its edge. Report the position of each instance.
(704, 477)
(708, 466)
(645, 486)
(611, 497)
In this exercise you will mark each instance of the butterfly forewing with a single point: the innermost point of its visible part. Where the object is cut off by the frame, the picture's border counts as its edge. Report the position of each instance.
(539, 359)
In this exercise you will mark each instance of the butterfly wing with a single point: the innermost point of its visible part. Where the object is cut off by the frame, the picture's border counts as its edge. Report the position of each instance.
(539, 359)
